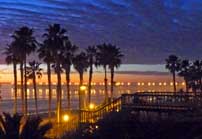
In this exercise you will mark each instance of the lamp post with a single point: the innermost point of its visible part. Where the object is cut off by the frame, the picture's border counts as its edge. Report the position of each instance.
(82, 90)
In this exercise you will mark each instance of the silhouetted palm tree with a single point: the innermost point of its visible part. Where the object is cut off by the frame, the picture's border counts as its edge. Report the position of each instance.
(34, 70)
(26, 43)
(56, 37)
(114, 62)
(103, 56)
(10, 126)
(12, 57)
(197, 66)
(17, 127)
(45, 52)
(91, 53)
(184, 71)
(173, 64)
(81, 65)
(69, 53)
(34, 129)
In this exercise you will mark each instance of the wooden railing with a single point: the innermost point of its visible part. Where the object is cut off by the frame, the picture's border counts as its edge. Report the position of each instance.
(92, 116)
(161, 101)
(158, 101)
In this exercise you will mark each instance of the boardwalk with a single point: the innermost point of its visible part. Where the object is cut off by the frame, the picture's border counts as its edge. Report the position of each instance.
(151, 102)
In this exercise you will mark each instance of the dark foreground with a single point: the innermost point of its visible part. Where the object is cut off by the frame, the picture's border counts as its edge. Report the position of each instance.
(125, 125)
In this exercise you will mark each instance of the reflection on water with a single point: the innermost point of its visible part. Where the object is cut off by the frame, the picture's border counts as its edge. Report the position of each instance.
(7, 93)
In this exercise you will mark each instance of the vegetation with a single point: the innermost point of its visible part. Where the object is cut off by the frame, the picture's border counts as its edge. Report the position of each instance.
(57, 51)
(173, 64)
(34, 70)
(190, 71)
(17, 127)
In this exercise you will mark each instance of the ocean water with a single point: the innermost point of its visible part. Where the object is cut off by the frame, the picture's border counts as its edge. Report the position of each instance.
(129, 78)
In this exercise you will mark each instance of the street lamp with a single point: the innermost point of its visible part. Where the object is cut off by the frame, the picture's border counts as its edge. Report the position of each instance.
(66, 117)
(91, 106)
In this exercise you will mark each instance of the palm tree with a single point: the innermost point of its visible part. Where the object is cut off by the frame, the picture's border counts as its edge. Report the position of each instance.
(12, 57)
(81, 65)
(173, 64)
(10, 126)
(34, 129)
(69, 53)
(56, 37)
(17, 127)
(184, 71)
(197, 66)
(45, 53)
(91, 53)
(114, 62)
(26, 42)
(103, 55)
(34, 70)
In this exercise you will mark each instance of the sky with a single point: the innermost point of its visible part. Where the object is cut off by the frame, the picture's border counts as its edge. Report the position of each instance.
(147, 31)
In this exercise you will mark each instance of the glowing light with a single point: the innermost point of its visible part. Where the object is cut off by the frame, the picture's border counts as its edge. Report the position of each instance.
(66, 118)
(83, 88)
(96, 126)
(171, 83)
(164, 83)
(129, 83)
(153, 84)
(91, 106)
(138, 84)
(118, 83)
(160, 83)
(149, 84)
(142, 84)
(183, 83)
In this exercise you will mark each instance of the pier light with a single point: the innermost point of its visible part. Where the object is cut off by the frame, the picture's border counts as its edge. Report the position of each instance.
(118, 83)
(92, 106)
(83, 88)
(129, 83)
(149, 84)
(176, 83)
(160, 83)
(142, 84)
(122, 83)
(138, 84)
(183, 83)
(96, 126)
(164, 83)
(171, 83)
(65, 117)
(153, 84)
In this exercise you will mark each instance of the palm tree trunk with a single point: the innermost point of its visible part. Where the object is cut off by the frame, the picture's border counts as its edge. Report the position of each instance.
(35, 94)
(90, 83)
(25, 69)
(22, 86)
(112, 83)
(174, 84)
(58, 94)
(187, 88)
(80, 91)
(68, 87)
(105, 81)
(15, 86)
(49, 89)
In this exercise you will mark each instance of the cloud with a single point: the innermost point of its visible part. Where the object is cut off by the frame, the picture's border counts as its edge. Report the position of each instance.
(146, 30)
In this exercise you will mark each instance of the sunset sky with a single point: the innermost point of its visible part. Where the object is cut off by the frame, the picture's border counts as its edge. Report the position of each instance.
(146, 30)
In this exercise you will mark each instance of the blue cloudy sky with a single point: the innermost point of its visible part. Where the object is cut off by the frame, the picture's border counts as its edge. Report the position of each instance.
(146, 30)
